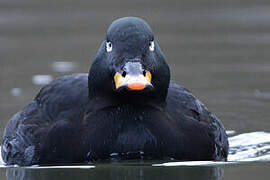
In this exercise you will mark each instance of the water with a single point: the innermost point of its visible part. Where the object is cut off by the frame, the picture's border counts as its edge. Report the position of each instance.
(217, 49)
(253, 146)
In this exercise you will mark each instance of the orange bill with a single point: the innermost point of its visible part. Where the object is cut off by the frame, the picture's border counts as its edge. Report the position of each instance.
(133, 82)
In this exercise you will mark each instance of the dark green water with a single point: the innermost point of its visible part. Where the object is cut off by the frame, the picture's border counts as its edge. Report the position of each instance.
(217, 49)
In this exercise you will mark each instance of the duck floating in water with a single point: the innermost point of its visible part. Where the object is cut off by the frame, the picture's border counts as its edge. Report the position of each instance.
(125, 108)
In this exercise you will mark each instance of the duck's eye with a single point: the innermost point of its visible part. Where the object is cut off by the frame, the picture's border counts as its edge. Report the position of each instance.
(151, 46)
(108, 46)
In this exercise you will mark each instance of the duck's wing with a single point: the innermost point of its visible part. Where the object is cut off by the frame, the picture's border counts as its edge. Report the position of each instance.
(63, 99)
(191, 113)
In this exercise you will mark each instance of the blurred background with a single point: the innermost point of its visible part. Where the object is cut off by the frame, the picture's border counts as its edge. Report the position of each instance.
(219, 50)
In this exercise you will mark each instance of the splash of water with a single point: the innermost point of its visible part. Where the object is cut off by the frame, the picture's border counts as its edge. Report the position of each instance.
(254, 146)
(1, 160)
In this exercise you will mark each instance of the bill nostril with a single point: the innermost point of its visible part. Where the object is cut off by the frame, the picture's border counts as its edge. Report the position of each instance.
(124, 73)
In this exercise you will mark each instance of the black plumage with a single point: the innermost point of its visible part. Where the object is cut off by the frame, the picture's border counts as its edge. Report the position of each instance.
(81, 118)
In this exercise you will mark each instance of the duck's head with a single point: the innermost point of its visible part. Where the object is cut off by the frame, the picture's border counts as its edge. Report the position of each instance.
(129, 63)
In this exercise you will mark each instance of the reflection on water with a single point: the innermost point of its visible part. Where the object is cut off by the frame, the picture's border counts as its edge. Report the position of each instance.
(123, 172)
(63, 66)
(194, 163)
(16, 91)
(41, 79)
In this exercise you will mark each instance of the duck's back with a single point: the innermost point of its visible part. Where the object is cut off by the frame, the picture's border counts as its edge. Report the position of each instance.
(57, 104)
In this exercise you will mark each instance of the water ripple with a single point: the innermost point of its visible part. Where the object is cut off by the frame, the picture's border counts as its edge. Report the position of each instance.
(254, 146)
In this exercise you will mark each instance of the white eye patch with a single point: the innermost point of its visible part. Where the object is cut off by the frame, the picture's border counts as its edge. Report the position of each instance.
(151, 46)
(108, 46)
